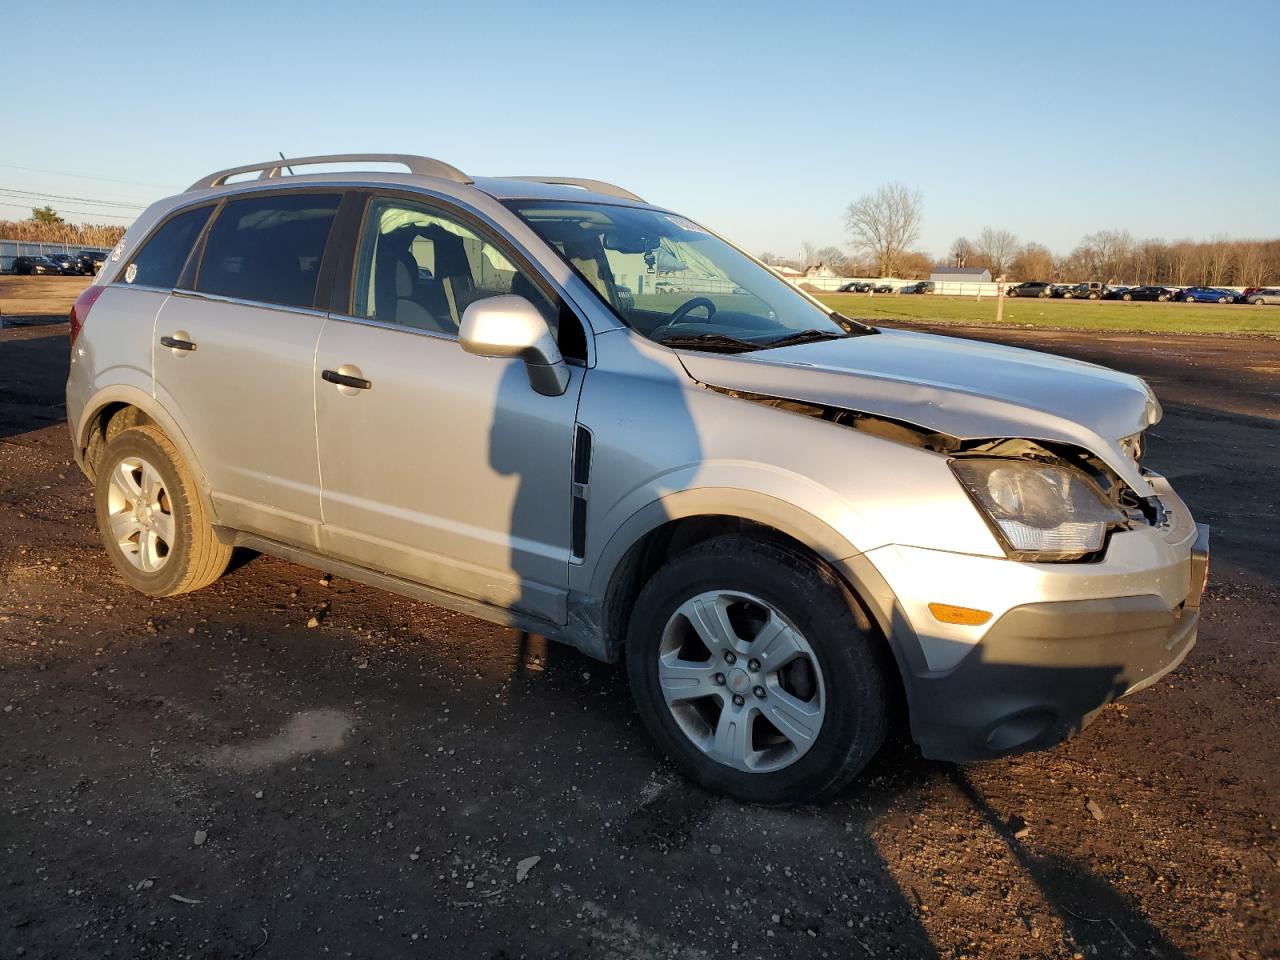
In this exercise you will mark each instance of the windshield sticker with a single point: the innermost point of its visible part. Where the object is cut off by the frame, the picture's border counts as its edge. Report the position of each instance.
(117, 251)
(130, 273)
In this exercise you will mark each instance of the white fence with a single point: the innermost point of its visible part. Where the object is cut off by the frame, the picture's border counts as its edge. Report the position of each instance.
(951, 288)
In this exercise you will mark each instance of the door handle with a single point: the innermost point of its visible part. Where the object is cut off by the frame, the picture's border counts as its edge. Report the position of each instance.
(345, 380)
(173, 343)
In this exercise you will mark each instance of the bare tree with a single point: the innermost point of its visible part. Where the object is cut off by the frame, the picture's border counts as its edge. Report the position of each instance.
(1033, 262)
(961, 252)
(1217, 261)
(884, 224)
(997, 248)
(833, 257)
(1250, 264)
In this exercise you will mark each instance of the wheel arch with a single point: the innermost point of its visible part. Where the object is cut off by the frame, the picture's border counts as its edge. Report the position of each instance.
(121, 406)
(672, 524)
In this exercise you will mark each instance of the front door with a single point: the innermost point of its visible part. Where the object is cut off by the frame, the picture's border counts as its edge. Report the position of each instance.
(436, 465)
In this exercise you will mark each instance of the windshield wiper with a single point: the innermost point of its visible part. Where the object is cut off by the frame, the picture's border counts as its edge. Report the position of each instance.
(805, 336)
(714, 342)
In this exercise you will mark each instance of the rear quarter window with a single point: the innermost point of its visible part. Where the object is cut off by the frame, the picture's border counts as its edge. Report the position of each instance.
(159, 263)
(268, 249)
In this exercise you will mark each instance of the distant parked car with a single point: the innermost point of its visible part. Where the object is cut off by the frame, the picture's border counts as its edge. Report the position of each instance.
(1031, 288)
(66, 263)
(1149, 292)
(1115, 293)
(33, 266)
(1261, 295)
(90, 262)
(1085, 291)
(856, 286)
(626, 299)
(923, 286)
(1205, 295)
(882, 288)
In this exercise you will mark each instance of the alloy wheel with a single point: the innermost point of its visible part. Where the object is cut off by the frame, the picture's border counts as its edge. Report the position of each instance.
(140, 514)
(741, 681)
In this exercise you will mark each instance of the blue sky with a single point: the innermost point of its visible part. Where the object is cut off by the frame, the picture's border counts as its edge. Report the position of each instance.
(762, 120)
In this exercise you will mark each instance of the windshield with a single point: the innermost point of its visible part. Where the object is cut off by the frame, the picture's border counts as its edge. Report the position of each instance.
(678, 284)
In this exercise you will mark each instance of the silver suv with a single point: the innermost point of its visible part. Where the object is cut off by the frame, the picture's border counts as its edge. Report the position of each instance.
(785, 520)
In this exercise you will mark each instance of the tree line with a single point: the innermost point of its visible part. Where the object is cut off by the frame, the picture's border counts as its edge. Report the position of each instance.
(46, 226)
(884, 225)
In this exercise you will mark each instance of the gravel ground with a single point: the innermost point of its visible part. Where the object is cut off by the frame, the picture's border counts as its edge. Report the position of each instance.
(210, 777)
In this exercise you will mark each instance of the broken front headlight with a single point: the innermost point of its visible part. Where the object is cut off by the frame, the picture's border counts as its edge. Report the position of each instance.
(1042, 511)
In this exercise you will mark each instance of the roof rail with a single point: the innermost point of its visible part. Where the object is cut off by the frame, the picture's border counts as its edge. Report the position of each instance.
(421, 166)
(595, 186)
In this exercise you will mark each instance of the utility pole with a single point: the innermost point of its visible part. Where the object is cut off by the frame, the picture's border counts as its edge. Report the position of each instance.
(999, 299)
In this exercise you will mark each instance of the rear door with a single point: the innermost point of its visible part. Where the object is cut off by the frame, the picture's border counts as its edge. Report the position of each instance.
(444, 468)
(234, 355)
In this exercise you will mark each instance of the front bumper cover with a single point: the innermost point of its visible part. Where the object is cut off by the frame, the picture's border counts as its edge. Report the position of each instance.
(1043, 670)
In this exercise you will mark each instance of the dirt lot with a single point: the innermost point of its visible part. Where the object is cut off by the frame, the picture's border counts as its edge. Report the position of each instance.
(209, 777)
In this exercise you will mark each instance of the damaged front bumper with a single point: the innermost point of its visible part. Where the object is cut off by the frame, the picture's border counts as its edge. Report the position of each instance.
(1063, 641)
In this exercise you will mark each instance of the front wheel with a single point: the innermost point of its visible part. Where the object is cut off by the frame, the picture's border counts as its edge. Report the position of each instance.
(151, 518)
(1223, 300)
(1127, 297)
(757, 672)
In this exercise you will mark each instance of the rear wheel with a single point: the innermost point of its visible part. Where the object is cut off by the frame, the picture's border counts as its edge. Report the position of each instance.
(1127, 296)
(1093, 296)
(757, 672)
(1163, 298)
(1223, 300)
(151, 517)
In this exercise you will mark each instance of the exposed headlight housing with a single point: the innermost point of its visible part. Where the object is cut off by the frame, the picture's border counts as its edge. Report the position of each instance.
(1042, 511)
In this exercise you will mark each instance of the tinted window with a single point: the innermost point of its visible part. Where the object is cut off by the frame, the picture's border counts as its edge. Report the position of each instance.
(420, 268)
(268, 248)
(159, 262)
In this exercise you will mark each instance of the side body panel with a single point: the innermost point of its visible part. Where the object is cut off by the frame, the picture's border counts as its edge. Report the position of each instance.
(666, 447)
(449, 470)
(244, 398)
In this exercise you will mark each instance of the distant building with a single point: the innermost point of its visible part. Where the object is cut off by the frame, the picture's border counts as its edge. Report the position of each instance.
(787, 271)
(961, 274)
(820, 270)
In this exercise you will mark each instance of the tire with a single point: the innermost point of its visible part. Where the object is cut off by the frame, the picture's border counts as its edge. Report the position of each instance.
(1093, 296)
(1128, 297)
(1223, 300)
(1258, 302)
(1163, 299)
(1012, 294)
(835, 685)
(162, 557)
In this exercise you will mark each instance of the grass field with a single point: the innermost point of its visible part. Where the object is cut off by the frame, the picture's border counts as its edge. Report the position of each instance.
(1064, 314)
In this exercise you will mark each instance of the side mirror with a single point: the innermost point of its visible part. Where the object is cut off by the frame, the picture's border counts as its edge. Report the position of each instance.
(511, 326)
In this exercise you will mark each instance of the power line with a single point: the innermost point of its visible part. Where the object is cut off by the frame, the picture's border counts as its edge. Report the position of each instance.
(85, 213)
(88, 176)
(13, 191)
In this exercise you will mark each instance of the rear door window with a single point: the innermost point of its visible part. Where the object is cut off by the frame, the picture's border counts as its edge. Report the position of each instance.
(268, 249)
(159, 262)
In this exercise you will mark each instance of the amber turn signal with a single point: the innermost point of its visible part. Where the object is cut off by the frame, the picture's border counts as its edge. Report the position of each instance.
(965, 616)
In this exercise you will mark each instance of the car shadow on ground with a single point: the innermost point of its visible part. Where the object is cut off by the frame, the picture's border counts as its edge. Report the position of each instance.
(30, 396)
(1092, 912)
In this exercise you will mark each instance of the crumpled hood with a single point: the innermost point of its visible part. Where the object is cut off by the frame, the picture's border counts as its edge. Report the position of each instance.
(963, 388)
